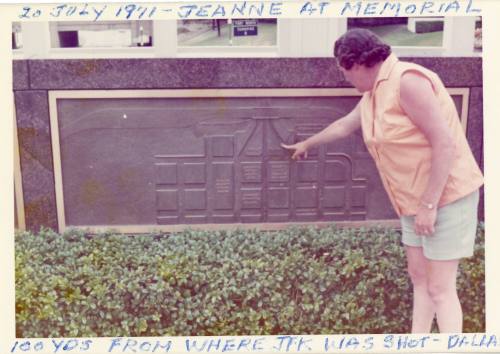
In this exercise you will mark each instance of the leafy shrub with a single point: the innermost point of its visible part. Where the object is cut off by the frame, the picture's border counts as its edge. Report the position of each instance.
(471, 287)
(299, 280)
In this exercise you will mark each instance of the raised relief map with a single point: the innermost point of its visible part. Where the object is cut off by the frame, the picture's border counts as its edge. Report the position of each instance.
(169, 161)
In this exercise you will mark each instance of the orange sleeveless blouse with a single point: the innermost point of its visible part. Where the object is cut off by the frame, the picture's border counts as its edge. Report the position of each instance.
(401, 151)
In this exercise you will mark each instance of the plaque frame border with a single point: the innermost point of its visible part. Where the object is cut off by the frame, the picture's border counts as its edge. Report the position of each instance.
(55, 95)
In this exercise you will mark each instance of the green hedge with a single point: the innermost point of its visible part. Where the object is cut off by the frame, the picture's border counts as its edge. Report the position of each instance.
(296, 281)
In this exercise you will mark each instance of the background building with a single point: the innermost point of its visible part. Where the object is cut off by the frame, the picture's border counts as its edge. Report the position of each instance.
(417, 36)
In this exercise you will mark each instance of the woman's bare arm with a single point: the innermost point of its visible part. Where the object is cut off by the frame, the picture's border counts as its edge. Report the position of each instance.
(337, 130)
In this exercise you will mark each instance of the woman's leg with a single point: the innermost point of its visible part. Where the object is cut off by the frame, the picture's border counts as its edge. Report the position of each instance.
(423, 305)
(434, 292)
(442, 281)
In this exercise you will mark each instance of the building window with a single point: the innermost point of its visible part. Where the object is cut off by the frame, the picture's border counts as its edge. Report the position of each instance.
(223, 32)
(107, 34)
(478, 35)
(17, 36)
(404, 31)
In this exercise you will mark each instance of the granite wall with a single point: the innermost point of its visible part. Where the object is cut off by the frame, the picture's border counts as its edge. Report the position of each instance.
(33, 79)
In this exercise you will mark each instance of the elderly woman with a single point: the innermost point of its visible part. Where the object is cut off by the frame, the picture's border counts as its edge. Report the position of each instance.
(412, 130)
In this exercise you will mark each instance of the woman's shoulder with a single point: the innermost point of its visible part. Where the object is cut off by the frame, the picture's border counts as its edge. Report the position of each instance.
(403, 67)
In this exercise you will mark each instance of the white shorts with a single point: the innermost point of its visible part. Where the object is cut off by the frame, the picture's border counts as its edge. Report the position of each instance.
(455, 230)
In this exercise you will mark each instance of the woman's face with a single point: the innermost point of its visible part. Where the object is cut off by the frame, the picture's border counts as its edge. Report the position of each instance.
(359, 76)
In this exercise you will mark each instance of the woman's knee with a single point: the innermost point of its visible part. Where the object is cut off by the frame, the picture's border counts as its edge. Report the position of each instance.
(442, 280)
(416, 266)
(441, 292)
(417, 275)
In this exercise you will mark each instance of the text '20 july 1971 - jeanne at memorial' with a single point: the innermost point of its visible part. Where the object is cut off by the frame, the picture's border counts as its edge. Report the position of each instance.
(242, 9)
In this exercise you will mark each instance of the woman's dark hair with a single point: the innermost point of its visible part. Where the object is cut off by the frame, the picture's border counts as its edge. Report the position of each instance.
(360, 46)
